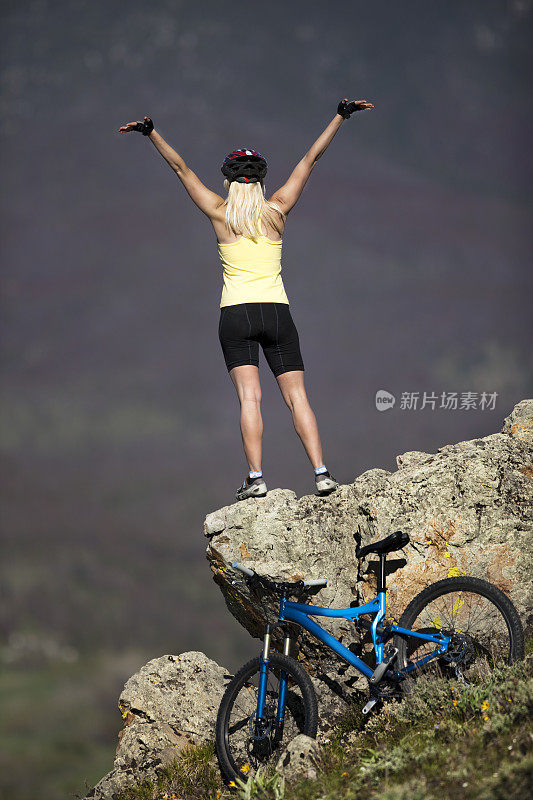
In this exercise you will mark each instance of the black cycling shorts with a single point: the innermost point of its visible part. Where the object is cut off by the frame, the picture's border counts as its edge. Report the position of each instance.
(245, 326)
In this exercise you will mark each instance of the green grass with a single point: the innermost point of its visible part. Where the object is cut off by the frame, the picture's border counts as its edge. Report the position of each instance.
(446, 742)
(194, 775)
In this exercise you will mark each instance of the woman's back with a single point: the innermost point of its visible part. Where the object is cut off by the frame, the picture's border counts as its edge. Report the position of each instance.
(251, 270)
(268, 230)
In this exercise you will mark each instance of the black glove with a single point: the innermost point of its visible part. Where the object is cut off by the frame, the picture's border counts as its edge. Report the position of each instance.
(345, 109)
(145, 127)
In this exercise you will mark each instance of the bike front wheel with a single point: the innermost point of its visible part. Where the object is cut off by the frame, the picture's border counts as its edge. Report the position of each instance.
(483, 624)
(242, 746)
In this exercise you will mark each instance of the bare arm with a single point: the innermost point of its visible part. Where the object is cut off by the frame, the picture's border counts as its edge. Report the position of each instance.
(173, 159)
(324, 140)
(206, 200)
(288, 194)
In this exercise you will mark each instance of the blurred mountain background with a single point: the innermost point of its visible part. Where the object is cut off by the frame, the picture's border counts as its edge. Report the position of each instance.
(407, 262)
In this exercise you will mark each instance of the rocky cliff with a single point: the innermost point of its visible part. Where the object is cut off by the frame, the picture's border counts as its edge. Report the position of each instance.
(468, 509)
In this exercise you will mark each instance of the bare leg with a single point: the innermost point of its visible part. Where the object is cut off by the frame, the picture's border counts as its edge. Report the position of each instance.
(246, 381)
(292, 388)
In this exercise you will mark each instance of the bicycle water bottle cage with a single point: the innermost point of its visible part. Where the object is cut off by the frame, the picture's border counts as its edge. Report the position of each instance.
(395, 541)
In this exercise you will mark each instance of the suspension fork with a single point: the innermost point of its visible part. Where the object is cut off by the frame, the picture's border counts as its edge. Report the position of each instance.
(263, 679)
(263, 674)
(280, 713)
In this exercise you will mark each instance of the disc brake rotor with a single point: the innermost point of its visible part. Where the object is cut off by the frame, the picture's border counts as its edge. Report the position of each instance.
(261, 730)
(458, 649)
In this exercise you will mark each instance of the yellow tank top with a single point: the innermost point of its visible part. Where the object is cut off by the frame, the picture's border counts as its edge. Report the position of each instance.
(252, 272)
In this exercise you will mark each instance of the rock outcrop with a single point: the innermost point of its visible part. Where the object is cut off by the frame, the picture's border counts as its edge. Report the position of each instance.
(467, 508)
(299, 759)
(170, 703)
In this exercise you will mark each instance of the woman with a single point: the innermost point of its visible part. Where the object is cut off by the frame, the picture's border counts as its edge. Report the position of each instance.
(254, 308)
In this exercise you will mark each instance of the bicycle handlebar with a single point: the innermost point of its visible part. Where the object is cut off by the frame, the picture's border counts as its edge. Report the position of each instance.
(244, 569)
(250, 573)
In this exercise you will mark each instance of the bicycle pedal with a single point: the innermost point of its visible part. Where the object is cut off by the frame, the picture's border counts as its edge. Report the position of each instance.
(381, 669)
(369, 706)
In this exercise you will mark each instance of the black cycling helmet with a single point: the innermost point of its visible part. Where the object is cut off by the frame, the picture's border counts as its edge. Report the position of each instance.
(244, 165)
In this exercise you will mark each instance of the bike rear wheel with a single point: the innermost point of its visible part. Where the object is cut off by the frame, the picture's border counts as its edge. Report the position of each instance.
(241, 748)
(484, 625)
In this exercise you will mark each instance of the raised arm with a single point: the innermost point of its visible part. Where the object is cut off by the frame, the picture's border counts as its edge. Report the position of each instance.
(206, 200)
(288, 194)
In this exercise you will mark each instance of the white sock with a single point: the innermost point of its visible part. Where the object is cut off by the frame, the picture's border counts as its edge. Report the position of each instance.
(319, 470)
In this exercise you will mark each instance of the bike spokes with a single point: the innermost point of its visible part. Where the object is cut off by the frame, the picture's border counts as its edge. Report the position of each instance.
(476, 626)
(256, 744)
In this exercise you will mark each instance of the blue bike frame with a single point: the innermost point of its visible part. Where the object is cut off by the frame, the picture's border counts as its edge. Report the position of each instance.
(301, 613)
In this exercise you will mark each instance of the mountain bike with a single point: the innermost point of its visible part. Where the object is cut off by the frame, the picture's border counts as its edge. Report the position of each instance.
(452, 625)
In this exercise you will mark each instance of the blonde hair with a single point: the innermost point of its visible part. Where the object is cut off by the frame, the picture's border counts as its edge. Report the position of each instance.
(245, 203)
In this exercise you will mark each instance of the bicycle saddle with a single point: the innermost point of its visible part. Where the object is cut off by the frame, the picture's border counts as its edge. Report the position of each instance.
(395, 541)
